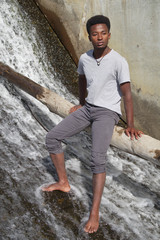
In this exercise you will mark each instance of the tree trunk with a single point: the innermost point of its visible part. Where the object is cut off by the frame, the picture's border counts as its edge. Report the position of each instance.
(53, 101)
(146, 147)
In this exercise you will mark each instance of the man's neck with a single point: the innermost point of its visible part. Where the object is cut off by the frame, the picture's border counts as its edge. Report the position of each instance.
(98, 53)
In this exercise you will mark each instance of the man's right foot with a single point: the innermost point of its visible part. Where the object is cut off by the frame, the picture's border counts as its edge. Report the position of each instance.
(57, 186)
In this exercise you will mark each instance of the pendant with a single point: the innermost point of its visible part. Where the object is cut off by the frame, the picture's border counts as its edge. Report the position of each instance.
(98, 63)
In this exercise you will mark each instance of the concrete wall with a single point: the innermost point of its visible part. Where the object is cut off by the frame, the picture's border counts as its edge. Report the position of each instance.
(135, 29)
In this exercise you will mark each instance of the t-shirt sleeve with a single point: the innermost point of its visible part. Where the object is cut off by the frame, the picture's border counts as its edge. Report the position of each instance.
(80, 67)
(123, 71)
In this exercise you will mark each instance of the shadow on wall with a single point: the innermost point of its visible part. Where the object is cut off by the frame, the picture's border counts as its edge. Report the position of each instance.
(145, 120)
(60, 30)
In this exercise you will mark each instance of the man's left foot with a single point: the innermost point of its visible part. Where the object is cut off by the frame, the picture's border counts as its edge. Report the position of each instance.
(93, 224)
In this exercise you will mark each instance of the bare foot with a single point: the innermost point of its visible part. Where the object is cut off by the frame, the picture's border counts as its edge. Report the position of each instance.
(64, 187)
(92, 224)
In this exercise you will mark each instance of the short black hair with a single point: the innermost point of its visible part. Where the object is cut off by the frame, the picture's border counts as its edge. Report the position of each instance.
(98, 19)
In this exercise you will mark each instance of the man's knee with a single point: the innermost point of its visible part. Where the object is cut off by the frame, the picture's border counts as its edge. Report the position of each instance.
(53, 145)
(98, 162)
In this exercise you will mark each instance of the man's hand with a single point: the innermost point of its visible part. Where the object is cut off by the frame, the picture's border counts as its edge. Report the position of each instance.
(132, 132)
(73, 109)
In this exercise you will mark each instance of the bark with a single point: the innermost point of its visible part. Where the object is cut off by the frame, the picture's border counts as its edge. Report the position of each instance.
(146, 147)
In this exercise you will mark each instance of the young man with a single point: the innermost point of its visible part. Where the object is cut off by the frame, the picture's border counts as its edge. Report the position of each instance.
(105, 76)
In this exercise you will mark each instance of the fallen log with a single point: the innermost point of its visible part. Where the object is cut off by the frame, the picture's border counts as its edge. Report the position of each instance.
(145, 147)
(53, 101)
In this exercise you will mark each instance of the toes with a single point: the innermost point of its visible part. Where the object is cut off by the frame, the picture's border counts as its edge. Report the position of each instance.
(86, 229)
(46, 189)
(90, 229)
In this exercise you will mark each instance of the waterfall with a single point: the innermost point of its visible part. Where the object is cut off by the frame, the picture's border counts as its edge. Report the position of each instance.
(130, 207)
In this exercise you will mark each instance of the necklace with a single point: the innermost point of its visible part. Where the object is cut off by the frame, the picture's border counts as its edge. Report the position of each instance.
(99, 61)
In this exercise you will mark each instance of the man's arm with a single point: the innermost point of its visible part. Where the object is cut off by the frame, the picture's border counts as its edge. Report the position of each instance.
(128, 105)
(82, 93)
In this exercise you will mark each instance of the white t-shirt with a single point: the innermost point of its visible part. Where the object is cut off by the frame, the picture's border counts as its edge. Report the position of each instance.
(103, 81)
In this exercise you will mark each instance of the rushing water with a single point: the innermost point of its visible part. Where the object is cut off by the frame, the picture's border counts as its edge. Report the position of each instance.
(130, 206)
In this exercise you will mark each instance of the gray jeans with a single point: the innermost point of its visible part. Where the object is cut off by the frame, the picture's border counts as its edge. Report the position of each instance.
(102, 122)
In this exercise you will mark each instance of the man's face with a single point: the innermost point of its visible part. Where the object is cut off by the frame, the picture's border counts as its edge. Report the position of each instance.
(99, 35)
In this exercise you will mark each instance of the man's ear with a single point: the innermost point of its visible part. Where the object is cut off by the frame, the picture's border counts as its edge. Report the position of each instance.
(89, 37)
(109, 35)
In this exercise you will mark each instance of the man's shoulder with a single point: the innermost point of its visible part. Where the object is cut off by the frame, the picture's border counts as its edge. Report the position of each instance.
(118, 58)
(87, 54)
(117, 55)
